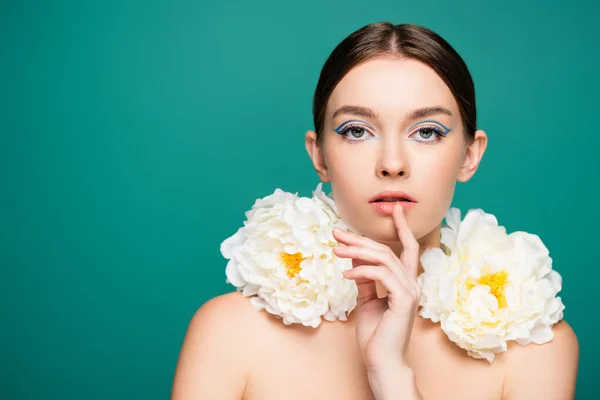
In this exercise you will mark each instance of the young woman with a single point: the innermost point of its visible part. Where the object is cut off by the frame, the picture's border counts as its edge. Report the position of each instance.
(394, 116)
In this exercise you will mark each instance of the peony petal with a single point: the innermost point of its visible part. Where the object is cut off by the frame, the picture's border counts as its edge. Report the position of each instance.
(229, 245)
(250, 290)
(453, 218)
(434, 261)
(233, 274)
(541, 334)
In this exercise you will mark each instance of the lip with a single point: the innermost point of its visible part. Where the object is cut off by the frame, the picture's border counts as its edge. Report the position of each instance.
(387, 207)
(394, 194)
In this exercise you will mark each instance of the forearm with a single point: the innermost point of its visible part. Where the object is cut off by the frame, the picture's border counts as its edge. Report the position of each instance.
(393, 382)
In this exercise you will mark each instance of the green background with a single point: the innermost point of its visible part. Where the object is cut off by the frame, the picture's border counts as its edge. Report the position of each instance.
(135, 134)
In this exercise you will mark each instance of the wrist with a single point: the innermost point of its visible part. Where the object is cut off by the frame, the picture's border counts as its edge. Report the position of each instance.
(384, 369)
(393, 381)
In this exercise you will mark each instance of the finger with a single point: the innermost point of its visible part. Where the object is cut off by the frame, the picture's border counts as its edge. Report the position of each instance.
(367, 288)
(410, 245)
(351, 238)
(367, 255)
(366, 274)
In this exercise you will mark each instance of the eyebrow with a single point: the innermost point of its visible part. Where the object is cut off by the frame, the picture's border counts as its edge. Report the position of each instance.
(366, 112)
(425, 112)
(359, 111)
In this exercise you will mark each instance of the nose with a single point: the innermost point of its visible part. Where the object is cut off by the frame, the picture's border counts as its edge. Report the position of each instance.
(392, 162)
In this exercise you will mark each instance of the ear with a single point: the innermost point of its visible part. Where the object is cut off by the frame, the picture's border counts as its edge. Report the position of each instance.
(315, 154)
(473, 155)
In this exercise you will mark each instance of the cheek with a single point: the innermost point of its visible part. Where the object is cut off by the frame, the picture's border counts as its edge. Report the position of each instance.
(432, 180)
(439, 174)
(438, 168)
(436, 180)
(349, 170)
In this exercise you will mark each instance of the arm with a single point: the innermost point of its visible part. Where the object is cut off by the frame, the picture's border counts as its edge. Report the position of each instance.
(547, 371)
(213, 362)
(384, 326)
(396, 381)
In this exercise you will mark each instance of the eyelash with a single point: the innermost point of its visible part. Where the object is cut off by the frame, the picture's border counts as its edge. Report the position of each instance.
(439, 133)
(348, 127)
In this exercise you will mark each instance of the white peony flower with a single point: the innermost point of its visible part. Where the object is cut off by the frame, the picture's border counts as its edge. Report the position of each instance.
(283, 258)
(489, 287)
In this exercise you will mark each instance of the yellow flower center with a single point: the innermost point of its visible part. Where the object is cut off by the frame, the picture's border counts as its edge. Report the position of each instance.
(497, 283)
(292, 263)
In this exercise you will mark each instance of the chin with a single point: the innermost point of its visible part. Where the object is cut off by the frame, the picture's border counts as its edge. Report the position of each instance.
(380, 231)
(383, 230)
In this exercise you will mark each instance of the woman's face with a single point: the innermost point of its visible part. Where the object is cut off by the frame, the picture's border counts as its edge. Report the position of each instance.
(393, 124)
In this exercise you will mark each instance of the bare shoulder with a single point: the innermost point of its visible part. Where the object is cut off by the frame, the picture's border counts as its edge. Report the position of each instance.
(546, 371)
(224, 311)
(563, 346)
(224, 316)
(217, 351)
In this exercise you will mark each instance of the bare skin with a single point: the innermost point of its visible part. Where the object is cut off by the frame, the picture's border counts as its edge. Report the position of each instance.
(325, 364)
(251, 355)
(231, 351)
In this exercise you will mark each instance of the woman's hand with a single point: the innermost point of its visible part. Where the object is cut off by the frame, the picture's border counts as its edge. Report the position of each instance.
(383, 326)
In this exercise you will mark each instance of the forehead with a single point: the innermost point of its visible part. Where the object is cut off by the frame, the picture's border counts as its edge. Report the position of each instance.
(392, 86)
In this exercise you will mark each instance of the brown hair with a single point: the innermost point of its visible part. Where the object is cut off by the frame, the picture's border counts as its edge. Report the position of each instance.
(404, 41)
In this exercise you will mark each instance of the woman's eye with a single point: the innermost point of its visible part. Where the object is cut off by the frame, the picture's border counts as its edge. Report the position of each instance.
(357, 132)
(428, 134)
(353, 133)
